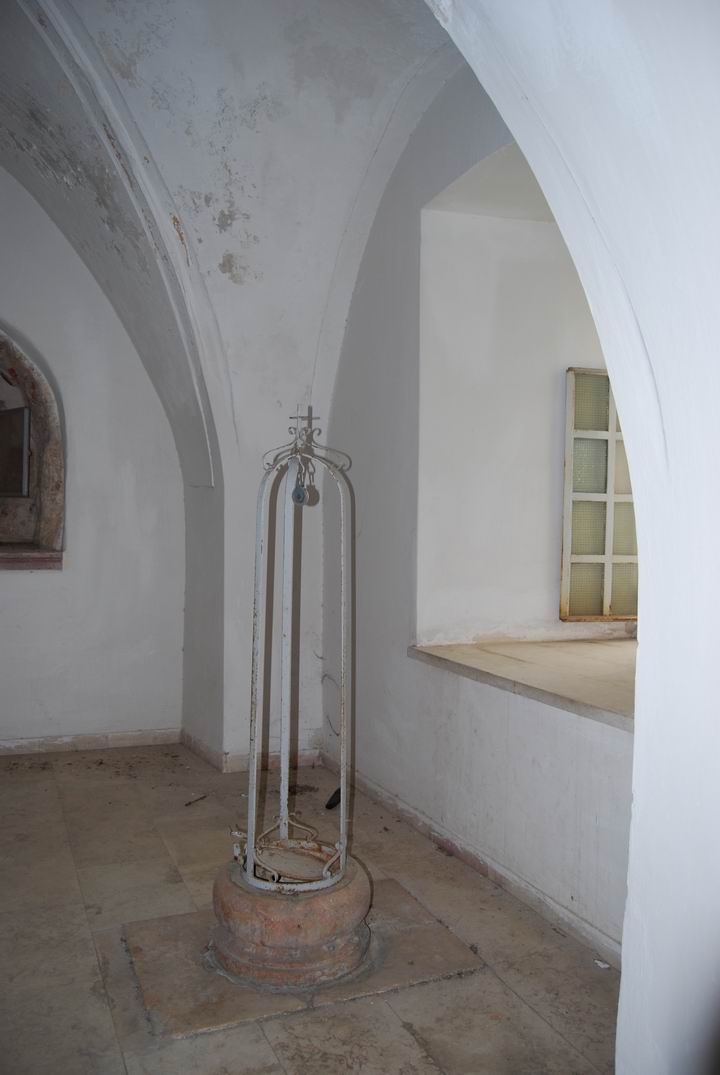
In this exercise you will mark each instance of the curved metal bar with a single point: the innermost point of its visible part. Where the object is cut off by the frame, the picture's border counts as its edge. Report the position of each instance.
(312, 450)
(288, 592)
(292, 463)
(346, 621)
(257, 676)
(343, 460)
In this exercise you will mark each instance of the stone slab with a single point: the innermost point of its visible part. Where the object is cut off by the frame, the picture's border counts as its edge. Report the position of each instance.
(183, 996)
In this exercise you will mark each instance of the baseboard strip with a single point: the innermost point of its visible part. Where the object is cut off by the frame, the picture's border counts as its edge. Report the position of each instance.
(53, 744)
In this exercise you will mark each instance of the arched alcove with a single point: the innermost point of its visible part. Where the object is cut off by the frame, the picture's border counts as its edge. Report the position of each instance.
(442, 744)
(32, 494)
(503, 318)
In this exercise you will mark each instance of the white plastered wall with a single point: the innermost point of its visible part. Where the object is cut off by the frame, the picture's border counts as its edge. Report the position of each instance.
(540, 794)
(503, 316)
(95, 648)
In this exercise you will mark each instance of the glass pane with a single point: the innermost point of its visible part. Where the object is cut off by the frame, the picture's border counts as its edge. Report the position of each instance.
(589, 465)
(622, 471)
(624, 539)
(624, 590)
(588, 527)
(592, 401)
(586, 589)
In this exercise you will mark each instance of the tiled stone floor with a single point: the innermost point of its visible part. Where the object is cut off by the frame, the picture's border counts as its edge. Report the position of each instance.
(92, 841)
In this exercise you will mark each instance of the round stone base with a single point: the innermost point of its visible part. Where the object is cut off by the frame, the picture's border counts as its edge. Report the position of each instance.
(290, 941)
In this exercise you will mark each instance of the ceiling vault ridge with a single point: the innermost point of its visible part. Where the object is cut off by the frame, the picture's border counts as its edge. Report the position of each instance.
(157, 213)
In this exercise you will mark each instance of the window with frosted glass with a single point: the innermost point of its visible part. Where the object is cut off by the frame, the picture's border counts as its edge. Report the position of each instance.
(599, 558)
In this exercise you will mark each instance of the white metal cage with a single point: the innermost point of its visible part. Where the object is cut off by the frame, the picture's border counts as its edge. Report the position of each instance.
(288, 856)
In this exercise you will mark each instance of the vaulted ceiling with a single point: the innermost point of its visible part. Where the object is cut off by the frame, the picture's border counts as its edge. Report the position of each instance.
(217, 166)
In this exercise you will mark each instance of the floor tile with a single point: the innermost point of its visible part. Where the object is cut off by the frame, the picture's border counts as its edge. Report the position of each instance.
(394, 846)
(48, 947)
(39, 798)
(196, 801)
(127, 892)
(199, 882)
(478, 911)
(241, 1051)
(476, 1026)
(199, 845)
(132, 840)
(109, 823)
(363, 1037)
(58, 1030)
(47, 878)
(31, 836)
(393, 907)
(573, 994)
(86, 802)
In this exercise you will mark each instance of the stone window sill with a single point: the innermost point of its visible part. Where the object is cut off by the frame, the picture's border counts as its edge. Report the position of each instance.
(593, 678)
(29, 558)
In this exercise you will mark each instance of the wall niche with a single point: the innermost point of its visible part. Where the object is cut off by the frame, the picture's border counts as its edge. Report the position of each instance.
(32, 465)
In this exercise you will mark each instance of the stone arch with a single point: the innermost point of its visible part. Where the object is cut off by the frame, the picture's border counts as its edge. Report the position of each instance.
(619, 132)
(38, 517)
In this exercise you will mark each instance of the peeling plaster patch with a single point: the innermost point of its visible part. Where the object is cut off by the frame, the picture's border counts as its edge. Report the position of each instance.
(251, 113)
(348, 73)
(181, 235)
(194, 200)
(123, 62)
(237, 269)
(119, 156)
(64, 157)
(234, 182)
(160, 94)
(226, 217)
(229, 213)
(193, 138)
(154, 33)
(262, 106)
(223, 206)
(175, 98)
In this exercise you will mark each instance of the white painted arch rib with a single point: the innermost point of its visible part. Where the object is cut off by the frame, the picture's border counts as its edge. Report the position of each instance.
(86, 148)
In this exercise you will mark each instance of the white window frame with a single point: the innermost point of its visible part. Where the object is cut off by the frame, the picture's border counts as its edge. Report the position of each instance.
(610, 498)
